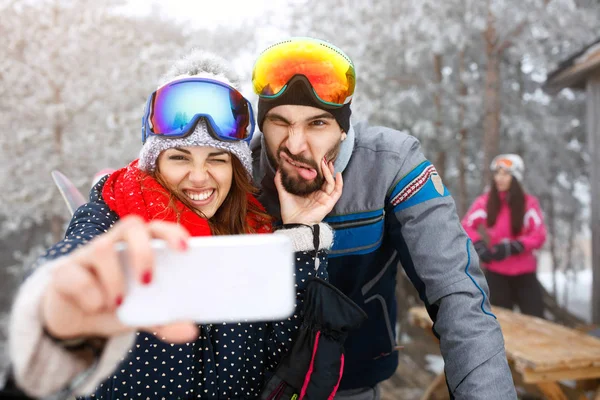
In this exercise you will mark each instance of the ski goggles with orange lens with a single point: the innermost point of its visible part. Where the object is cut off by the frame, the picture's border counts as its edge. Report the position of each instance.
(328, 70)
(502, 163)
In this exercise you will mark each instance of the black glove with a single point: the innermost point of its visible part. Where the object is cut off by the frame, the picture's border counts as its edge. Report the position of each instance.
(485, 255)
(314, 364)
(506, 249)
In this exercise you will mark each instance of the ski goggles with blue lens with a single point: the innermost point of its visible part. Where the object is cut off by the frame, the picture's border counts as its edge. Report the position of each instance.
(174, 110)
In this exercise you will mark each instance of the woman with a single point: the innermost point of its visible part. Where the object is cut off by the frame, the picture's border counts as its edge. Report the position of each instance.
(514, 227)
(192, 179)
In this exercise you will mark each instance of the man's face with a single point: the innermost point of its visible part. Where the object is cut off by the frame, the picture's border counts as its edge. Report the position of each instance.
(298, 138)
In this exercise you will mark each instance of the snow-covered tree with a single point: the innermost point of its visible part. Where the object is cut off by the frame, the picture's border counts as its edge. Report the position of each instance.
(465, 77)
(74, 78)
(74, 81)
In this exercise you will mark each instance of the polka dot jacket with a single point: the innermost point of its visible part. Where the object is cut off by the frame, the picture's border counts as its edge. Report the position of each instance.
(228, 361)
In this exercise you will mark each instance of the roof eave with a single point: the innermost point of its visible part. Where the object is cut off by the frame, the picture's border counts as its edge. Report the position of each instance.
(575, 75)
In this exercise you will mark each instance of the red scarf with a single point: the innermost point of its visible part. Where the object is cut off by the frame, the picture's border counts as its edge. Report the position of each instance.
(130, 191)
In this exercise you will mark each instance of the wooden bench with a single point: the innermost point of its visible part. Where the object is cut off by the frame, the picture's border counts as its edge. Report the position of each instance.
(540, 353)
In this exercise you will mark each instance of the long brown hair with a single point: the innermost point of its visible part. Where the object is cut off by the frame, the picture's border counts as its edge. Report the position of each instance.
(232, 216)
(516, 205)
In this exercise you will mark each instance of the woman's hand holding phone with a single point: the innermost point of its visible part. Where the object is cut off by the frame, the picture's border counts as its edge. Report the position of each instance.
(88, 285)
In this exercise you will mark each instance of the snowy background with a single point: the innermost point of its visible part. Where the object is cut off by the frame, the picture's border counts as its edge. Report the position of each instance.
(74, 75)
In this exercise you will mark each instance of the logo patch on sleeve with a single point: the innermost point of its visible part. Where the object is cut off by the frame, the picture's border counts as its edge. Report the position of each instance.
(437, 183)
(421, 184)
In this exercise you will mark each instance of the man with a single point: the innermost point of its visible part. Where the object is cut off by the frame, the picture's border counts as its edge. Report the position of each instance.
(394, 209)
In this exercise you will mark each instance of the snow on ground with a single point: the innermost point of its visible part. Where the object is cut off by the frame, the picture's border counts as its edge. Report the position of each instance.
(435, 363)
(574, 291)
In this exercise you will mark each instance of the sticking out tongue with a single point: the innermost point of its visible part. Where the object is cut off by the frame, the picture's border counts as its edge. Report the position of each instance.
(306, 173)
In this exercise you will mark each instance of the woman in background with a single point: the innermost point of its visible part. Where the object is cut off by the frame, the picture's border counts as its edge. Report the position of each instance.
(514, 227)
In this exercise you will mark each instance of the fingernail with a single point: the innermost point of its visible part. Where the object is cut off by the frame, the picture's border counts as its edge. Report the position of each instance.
(119, 300)
(325, 159)
(183, 244)
(147, 277)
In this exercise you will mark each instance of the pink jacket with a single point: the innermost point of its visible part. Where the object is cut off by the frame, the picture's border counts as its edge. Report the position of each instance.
(532, 236)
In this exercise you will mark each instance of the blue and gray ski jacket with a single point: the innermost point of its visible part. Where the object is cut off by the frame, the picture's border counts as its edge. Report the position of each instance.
(395, 211)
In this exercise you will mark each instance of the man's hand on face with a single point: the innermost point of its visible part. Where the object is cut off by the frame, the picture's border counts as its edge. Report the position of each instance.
(313, 207)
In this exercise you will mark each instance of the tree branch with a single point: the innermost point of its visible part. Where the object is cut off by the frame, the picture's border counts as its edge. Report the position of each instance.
(489, 35)
(510, 37)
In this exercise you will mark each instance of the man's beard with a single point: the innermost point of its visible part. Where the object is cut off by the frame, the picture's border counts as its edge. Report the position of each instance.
(296, 184)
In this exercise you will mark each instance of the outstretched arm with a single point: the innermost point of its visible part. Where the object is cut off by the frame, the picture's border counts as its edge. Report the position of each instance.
(439, 258)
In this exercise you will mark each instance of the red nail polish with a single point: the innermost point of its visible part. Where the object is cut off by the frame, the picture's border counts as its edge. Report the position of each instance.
(119, 300)
(147, 277)
(183, 244)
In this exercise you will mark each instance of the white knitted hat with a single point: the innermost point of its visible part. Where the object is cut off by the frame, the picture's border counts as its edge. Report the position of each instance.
(511, 163)
(202, 65)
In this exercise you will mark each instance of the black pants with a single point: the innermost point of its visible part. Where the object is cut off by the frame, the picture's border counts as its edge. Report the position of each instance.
(522, 290)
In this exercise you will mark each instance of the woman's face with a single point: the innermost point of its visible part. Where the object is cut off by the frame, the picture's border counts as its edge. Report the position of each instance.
(502, 179)
(202, 175)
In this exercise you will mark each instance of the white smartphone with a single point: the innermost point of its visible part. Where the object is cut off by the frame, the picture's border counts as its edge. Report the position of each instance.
(238, 278)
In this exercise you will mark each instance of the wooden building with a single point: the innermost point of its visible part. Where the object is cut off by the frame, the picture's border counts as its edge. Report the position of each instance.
(581, 71)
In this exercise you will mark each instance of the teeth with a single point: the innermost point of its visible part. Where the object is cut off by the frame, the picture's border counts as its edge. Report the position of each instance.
(200, 196)
(296, 165)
